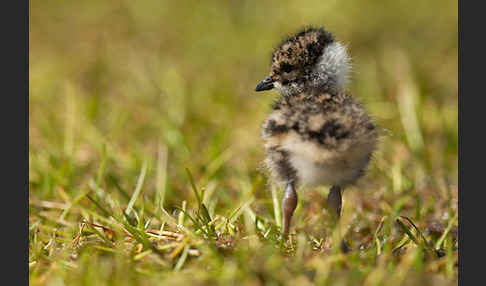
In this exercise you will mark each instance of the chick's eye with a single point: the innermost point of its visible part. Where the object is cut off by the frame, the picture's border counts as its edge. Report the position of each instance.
(286, 67)
(276, 72)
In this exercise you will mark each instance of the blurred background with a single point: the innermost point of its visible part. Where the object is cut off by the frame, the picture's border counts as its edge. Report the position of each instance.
(137, 74)
(171, 84)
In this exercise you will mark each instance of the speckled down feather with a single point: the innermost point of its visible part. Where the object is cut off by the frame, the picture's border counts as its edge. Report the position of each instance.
(316, 134)
(318, 139)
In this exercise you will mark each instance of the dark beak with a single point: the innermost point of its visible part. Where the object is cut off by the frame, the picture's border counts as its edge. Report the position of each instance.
(265, 84)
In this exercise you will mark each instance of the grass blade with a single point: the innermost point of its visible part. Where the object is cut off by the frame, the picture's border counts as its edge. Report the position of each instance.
(446, 231)
(161, 176)
(138, 189)
(377, 241)
(99, 206)
(407, 231)
(205, 214)
(109, 242)
(101, 169)
(191, 180)
(196, 225)
(276, 207)
(182, 259)
(412, 237)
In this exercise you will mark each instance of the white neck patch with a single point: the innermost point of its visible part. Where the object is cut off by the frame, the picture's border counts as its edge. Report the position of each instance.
(334, 65)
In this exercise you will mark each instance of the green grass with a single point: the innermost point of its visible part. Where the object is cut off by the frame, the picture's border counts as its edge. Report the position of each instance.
(145, 157)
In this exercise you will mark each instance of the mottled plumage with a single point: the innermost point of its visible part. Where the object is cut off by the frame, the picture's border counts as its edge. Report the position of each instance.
(317, 133)
(318, 139)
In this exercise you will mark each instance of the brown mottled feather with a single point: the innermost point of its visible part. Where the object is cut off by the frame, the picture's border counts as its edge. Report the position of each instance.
(328, 130)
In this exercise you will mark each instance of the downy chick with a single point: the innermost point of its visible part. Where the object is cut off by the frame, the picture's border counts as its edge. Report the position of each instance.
(317, 134)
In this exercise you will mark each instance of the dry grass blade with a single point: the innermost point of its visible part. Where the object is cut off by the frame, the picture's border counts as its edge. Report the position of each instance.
(48, 204)
(78, 236)
(375, 236)
(170, 234)
(179, 248)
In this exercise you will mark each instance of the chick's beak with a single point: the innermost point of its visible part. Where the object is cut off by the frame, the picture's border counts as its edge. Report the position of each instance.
(265, 84)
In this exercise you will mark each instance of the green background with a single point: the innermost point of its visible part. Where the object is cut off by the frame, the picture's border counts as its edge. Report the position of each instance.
(130, 93)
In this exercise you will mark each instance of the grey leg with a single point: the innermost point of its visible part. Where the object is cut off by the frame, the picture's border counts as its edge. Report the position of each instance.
(289, 203)
(334, 202)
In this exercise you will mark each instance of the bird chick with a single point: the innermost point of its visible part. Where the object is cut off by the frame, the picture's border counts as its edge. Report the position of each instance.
(317, 134)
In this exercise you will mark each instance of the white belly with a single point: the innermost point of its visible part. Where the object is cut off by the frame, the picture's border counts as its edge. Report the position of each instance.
(316, 165)
(311, 173)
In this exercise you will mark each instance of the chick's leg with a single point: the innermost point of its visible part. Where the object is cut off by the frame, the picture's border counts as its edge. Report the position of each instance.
(334, 202)
(289, 203)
